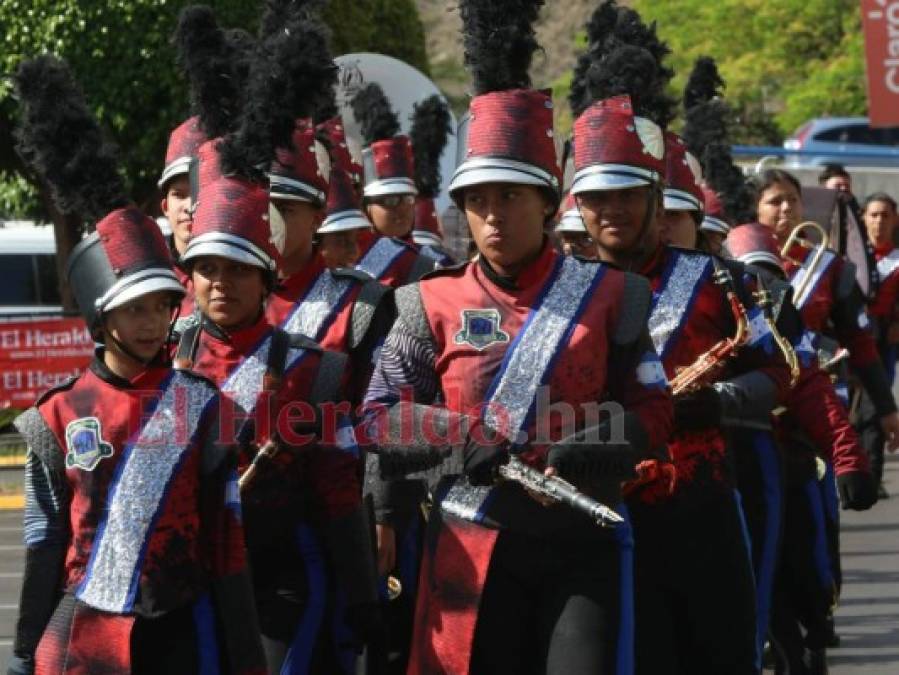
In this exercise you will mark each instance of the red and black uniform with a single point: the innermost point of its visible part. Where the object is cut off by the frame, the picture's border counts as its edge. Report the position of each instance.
(309, 494)
(392, 261)
(133, 529)
(457, 345)
(693, 561)
(343, 310)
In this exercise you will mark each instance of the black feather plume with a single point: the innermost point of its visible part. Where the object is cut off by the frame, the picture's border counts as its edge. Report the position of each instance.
(725, 178)
(60, 138)
(215, 64)
(277, 14)
(706, 112)
(499, 41)
(624, 56)
(373, 112)
(291, 75)
(429, 133)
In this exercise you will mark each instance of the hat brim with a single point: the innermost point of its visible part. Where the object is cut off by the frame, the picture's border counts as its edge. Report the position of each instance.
(228, 246)
(711, 224)
(677, 200)
(344, 221)
(571, 221)
(484, 170)
(140, 284)
(760, 257)
(289, 189)
(178, 167)
(389, 186)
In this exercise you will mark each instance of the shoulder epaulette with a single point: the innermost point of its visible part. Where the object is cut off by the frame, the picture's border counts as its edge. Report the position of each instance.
(448, 271)
(300, 341)
(64, 386)
(352, 273)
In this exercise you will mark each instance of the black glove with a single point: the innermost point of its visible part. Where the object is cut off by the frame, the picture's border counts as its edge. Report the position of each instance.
(484, 456)
(591, 453)
(858, 490)
(366, 623)
(697, 411)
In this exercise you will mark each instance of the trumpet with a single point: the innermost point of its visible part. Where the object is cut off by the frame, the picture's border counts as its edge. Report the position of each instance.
(796, 238)
(701, 371)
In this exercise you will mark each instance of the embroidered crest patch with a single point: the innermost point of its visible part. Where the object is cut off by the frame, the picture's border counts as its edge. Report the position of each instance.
(480, 329)
(85, 444)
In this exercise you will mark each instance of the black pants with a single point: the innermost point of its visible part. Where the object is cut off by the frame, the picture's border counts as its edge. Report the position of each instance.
(167, 644)
(695, 596)
(760, 483)
(867, 423)
(555, 606)
(804, 589)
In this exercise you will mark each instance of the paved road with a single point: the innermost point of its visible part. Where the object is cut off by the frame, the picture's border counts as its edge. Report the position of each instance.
(867, 620)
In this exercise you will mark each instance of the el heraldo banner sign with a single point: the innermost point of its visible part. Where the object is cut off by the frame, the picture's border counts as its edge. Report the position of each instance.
(880, 20)
(39, 354)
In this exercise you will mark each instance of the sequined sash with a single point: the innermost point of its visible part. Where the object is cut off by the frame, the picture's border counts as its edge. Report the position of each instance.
(380, 257)
(314, 313)
(817, 274)
(527, 365)
(138, 493)
(671, 303)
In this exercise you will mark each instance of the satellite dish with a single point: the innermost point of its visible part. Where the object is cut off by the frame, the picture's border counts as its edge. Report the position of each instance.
(404, 86)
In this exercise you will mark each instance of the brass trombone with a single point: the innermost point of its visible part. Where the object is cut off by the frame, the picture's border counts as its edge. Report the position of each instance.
(819, 249)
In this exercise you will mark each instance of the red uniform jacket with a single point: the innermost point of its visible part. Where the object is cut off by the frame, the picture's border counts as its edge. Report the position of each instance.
(394, 262)
(883, 308)
(690, 315)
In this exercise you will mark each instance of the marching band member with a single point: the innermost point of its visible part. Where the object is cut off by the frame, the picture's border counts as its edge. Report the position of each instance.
(496, 345)
(299, 462)
(692, 562)
(389, 193)
(135, 559)
(571, 232)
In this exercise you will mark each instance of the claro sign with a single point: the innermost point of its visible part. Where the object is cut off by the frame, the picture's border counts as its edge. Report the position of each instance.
(880, 19)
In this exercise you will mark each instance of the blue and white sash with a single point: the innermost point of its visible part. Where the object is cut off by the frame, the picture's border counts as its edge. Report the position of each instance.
(888, 264)
(672, 302)
(528, 363)
(817, 274)
(138, 492)
(380, 257)
(314, 313)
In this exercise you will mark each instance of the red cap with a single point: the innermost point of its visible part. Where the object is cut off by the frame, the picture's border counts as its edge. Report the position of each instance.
(389, 168)
(184, 141)
(570, 219)
(507, 137)
(233, 220)
(615, 149)
(715, 219)
(125, 258)
(340, 150)
(299, 173)
(427, 230)
(343, 204)
(683, 175)
(753, 243)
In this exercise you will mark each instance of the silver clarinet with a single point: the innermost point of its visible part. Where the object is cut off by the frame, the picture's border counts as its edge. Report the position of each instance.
(558, 490)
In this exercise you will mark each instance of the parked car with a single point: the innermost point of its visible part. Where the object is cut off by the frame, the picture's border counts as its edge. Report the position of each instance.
(28, 280)
(843, 140)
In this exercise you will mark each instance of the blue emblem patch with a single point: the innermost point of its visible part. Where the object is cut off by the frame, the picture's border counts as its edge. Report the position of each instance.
(480, 329)
(85, 444)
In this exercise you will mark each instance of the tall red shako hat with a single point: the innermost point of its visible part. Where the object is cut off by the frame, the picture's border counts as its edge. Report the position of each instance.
(570, 219)
(507, 135)
(387, 156)
(754, 244)
(343, 210)
(300, 172)
(332, 128)
(727, 196)
(126, 256)
(184, 141)
(430, 131)
(618, 101)
(683, 176)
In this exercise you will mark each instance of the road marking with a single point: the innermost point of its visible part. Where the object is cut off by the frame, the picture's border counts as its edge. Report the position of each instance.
(12, 501)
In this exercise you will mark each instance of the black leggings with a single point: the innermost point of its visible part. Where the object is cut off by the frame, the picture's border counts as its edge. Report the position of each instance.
(554, 606)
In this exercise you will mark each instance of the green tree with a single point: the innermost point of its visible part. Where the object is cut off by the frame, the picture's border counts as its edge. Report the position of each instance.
(121, 53)
(784, 61)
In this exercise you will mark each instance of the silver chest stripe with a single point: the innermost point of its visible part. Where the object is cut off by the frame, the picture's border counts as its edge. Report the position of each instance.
(673, 300)
(245, 383)
(525, 371)
(888, 264)
(802, 272)
(138, 493)
(311, 315)
(535, 349)
(380, 257)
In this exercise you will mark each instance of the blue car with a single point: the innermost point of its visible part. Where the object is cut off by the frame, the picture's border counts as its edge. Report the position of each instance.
(843, 140)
